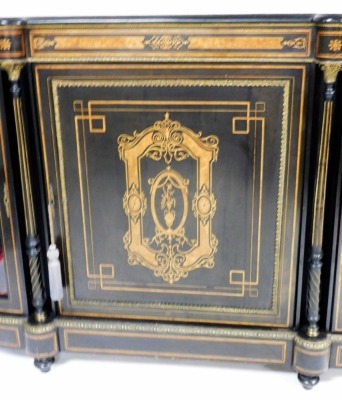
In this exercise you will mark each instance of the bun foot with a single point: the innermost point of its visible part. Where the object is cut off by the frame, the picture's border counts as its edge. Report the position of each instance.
(308, 382)
(44, 364)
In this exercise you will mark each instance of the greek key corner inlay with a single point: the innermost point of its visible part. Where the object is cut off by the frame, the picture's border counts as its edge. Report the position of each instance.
(5, 44)
(299, 43)
(335, 45)
(166, 42)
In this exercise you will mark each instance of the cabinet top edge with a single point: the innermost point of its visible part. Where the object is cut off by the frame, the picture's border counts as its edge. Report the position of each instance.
(309, 20)
(197, 19)
(176, 19)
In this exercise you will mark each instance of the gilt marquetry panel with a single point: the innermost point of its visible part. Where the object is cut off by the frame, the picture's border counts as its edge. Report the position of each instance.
(171, 41)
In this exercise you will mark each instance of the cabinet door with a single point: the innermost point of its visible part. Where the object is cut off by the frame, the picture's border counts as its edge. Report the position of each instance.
(12, 294)
(177, 189)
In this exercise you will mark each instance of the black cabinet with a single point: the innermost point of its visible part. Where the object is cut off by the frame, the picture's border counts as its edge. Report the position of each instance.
(184, 174)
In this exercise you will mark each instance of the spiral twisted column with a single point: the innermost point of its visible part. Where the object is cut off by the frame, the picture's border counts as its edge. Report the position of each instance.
(32, 244)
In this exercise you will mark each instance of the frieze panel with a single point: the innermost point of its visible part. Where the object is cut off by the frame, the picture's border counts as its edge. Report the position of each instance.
(143, 41)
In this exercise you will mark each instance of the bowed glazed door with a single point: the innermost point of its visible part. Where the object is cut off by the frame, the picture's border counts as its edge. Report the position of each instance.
(175, 191)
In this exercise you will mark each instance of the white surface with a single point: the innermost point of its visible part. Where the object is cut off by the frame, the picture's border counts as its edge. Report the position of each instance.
(98, 377)
(39, 8)
(84, 377)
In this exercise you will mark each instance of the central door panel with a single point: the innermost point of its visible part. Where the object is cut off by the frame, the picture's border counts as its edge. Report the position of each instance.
(176, 189)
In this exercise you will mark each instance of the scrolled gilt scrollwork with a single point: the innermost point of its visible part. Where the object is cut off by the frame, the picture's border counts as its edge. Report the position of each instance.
(169, 253)
(5, 44)
(41, 43)
(167, 141)
(299, 43)
(166, 42)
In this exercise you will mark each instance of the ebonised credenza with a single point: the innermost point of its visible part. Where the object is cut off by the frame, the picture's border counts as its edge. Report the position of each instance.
(172, 187)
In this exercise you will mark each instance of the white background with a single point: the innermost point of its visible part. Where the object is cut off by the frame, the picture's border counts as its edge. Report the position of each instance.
(100, 377)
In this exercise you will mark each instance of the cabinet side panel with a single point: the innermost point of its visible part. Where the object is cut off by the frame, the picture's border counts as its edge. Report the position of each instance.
(12, 289)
